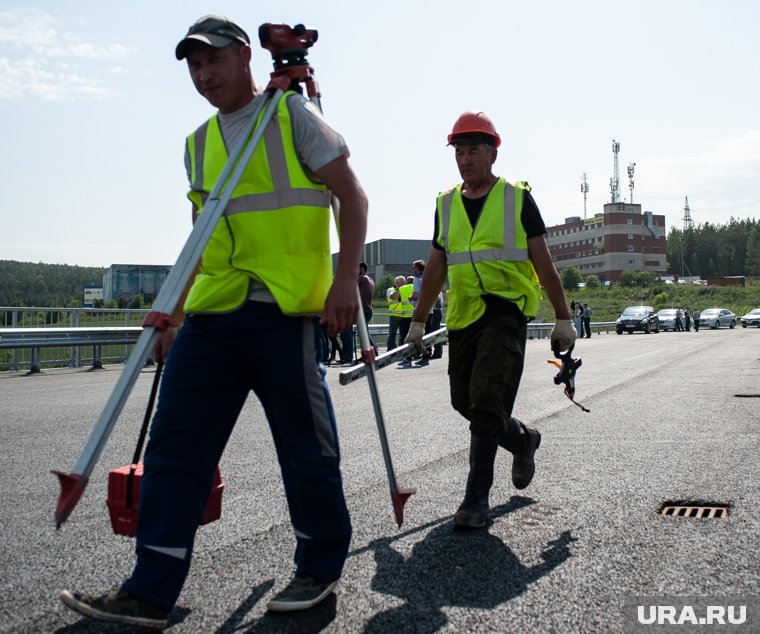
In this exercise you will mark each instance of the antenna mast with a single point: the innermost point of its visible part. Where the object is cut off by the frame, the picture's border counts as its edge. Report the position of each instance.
(630, 178)
(584, 191)
(688, 225)
(615, 180)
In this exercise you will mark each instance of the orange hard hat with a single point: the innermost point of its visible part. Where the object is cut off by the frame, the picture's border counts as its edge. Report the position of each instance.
(473, 124)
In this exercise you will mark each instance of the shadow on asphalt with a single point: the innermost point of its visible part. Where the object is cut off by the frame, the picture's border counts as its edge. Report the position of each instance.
(469, 569)
(310, 621)
(91, 626)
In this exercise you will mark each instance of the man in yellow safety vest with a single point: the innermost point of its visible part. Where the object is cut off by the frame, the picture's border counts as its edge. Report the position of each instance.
(251, 323)
(490, 240)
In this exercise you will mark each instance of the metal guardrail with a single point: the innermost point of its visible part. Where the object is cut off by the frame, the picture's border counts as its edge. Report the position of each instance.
(34, 339)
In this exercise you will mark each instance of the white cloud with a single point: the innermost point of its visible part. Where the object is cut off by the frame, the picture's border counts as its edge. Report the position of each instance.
(43, 62)
(24, 27)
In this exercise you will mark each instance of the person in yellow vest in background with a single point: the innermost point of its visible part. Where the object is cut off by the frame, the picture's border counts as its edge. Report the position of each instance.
(400, 310)
(251, 323)
(490, 240)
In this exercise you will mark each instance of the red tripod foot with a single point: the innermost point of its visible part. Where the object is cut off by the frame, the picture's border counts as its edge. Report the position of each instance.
(72, 487)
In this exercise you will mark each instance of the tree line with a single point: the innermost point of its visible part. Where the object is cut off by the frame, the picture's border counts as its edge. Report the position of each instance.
(715, 249)
(38, 284)
(705, 250)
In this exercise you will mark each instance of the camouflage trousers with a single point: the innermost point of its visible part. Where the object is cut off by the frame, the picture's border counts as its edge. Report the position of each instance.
(485, 366)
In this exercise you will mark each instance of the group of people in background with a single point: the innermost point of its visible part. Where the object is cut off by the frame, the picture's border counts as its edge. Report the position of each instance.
(685, 320)
(402, 298)
(581, 318)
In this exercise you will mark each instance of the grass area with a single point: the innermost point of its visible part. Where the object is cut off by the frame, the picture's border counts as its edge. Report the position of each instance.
(608, 302)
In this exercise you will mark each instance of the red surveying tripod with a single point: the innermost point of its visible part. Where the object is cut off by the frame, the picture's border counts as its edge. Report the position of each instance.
(289, 47)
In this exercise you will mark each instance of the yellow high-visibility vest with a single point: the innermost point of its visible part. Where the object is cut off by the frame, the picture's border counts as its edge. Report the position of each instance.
(401, 306)
(275, 228)
(488, 259)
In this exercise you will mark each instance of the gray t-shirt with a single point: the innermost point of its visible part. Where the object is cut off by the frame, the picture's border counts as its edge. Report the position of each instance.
(316, 143)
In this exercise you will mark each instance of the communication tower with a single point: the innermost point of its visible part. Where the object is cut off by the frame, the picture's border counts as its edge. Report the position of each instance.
(630, 178)
(615, 180)
(688, 223)
(584, 191)
(688, 226)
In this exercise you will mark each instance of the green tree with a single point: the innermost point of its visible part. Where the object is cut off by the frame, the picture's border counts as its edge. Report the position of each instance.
(136, 301)
(571, 277)
(752, 259)
(645, 279)
(592, 281)
(628, 278)
(379, 297)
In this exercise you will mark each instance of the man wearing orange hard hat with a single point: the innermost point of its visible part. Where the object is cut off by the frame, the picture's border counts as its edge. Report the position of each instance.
(490, 240)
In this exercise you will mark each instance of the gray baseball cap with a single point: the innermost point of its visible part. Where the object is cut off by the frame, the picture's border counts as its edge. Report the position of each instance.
(215, 30)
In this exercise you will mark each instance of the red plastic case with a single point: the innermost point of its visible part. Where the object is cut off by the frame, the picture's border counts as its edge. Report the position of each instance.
(124, 517)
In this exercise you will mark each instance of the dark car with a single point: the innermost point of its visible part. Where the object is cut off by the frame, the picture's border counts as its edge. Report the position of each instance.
(637, 318)
(752, 318)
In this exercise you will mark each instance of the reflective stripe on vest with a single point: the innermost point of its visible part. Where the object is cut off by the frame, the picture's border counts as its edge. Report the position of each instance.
(275, 228)
(507, 253)
(283, 195)
(401, 307)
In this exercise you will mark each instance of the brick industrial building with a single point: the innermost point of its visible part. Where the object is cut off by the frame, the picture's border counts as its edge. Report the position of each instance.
(619, 239)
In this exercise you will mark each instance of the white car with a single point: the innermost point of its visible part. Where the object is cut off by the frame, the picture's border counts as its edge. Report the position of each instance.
(752, 318)
(667, 318)
(717, 317)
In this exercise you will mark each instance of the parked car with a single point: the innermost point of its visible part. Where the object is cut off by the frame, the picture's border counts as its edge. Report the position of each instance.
(717, 317)
(667, 318)
(637, 318)
(752, 318)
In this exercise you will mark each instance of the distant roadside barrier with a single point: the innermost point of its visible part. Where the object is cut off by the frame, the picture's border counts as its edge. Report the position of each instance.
(32, 338)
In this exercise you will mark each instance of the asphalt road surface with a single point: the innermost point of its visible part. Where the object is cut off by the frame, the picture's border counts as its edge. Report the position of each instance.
(674, 417)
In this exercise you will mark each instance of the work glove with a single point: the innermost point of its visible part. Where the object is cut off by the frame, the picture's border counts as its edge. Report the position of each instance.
(563, 335)
(416, 330)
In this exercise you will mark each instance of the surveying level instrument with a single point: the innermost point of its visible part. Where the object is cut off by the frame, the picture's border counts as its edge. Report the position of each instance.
(289, 47)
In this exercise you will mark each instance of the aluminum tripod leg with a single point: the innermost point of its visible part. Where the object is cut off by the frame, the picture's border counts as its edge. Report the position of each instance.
(73, 484)
(398, 496)
(386, 359)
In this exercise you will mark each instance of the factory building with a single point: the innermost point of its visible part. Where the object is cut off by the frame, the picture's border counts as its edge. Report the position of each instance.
(618, 239)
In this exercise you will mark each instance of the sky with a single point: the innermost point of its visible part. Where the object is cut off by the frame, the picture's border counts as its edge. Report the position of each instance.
(95, 110)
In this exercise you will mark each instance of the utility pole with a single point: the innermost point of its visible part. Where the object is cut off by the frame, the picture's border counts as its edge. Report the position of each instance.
(584, 191)
(615, 180)
(630, 178)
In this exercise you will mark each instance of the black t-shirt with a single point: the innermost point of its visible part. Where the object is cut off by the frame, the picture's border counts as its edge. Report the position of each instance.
(530, 216)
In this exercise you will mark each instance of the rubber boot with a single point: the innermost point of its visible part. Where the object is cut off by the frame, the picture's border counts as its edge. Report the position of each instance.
(522, 442)
(474, 510)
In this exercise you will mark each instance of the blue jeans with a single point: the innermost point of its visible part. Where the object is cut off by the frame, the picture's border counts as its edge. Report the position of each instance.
(213, 365)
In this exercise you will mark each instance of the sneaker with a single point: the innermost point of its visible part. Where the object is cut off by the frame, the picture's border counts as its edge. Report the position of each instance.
(117, 606)
(301, 594)
(422, 362)
(406, 363)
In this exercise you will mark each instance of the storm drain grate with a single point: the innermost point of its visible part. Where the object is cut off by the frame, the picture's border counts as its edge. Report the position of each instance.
(692, 509)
